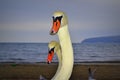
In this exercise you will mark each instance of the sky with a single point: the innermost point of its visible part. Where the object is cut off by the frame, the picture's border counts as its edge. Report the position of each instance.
(31, 20)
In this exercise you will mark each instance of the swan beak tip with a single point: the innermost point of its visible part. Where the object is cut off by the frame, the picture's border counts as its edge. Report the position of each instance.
(48, 62)
(52, 33)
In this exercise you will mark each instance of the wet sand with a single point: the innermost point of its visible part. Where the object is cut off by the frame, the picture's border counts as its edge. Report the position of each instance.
(32, 71)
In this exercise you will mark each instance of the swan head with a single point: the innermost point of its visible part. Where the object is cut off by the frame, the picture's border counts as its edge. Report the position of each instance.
(59, 21)
(53, 47)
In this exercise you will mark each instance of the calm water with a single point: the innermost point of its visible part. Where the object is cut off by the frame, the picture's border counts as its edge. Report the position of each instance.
(37, 52)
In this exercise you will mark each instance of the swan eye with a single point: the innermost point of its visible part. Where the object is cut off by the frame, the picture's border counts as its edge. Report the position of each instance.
(57, 18)
(52, 49)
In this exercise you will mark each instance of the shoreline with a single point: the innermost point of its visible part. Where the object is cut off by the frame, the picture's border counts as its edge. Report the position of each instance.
(85, 62)
(32, 71)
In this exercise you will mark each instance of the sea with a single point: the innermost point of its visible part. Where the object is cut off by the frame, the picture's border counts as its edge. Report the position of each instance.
(38, 52)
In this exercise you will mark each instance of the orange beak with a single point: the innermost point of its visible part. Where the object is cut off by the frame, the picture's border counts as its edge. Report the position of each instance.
(55, 27)
(50, 56)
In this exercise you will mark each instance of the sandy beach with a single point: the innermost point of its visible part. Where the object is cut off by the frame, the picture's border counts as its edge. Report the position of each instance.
(32, 71)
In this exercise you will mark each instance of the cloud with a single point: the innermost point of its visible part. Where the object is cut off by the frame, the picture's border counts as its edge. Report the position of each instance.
(30, 26)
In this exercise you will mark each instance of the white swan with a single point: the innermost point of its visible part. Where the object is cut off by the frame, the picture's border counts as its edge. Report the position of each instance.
(60, 26)
(54, 47)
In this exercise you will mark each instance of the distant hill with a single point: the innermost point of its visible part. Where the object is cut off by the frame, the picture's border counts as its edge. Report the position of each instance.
(115, 39)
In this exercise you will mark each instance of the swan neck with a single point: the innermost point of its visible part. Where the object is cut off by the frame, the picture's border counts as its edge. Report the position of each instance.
(67, 54)
(59, 55)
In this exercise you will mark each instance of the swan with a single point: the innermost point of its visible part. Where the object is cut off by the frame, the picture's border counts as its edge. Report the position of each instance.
(54, 47)
(60, 27)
